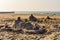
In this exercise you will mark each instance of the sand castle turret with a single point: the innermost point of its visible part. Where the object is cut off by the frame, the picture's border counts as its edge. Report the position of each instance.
(32, 18)
(18, 21)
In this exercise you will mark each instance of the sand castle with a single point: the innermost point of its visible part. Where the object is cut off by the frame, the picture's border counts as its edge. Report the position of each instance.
(27, 28)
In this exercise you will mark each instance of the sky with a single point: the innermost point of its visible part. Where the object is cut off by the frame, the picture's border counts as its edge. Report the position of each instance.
(29, 5)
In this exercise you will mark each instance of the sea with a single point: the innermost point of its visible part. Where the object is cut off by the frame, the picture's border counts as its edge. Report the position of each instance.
(37, 12)
(31, 12)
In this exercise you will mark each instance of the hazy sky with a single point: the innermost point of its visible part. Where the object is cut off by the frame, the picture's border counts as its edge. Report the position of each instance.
(29, 5)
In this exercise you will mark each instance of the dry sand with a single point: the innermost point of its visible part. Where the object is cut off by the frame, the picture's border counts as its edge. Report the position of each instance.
(23, 16)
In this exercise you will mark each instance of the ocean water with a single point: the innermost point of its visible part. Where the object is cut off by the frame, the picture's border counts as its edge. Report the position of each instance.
(32, 12)
(37, 12)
